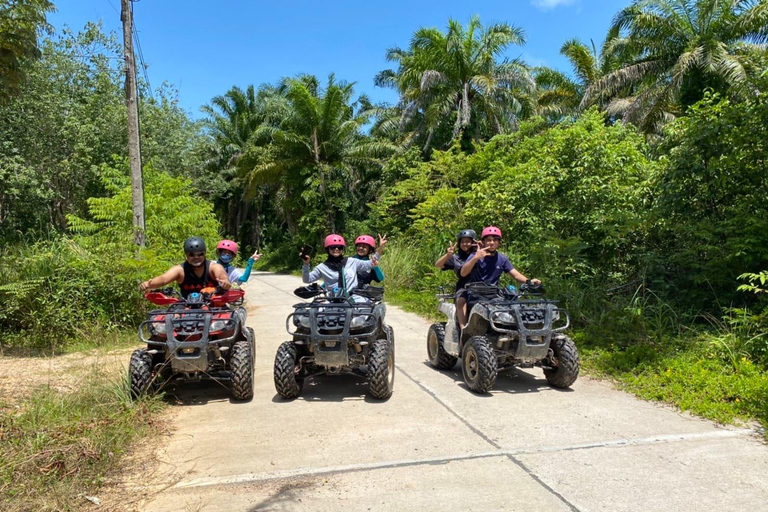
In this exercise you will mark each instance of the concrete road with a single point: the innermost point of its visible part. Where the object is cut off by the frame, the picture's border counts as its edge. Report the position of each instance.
(437, 446)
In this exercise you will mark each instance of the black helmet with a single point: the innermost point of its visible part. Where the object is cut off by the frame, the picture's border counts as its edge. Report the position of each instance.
(467, 233)
(194, 244)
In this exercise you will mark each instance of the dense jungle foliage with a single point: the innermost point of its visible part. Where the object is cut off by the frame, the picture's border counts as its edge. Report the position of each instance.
(633, 185)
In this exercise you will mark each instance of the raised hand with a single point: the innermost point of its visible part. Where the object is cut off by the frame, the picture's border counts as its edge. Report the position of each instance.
(375, 262)
(305, 258)
(255, 256)
(144, 286)
(382, 242)
(481, 253)
(451, 249)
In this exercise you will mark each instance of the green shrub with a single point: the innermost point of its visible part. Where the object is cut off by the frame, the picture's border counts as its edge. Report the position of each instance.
(60, 289)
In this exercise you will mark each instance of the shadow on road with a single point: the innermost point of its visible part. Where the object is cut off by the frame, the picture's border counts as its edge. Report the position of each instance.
(334, 388)
(512, 381)
(284, 497)
(199, 393)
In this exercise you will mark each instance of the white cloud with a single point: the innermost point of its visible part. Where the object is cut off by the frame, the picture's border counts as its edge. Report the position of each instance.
(546, 5)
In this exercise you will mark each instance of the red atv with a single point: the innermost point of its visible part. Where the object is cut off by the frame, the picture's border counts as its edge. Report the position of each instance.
(201, 337)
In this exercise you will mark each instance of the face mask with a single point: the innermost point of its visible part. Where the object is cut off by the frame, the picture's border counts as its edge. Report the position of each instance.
(226, 258)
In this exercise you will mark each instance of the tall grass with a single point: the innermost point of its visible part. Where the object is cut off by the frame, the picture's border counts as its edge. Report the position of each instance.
(55, 448)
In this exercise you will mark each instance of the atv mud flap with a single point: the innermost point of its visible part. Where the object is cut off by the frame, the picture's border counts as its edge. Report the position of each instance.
(337, 354)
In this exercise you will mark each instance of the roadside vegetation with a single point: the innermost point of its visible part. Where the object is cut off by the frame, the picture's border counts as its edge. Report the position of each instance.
(56, 449)
(633, 185)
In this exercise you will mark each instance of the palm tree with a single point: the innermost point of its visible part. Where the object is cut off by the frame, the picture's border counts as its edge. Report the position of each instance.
(559, 94)
(317, 149)
(233, 117)
(231, 121)
(674, 50)
(451, 83)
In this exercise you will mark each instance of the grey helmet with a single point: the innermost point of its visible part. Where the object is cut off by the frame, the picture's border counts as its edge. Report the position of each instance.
(194, 244)
(467, 233)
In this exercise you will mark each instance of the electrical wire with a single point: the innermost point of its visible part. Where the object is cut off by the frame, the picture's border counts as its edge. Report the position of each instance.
(140, 53)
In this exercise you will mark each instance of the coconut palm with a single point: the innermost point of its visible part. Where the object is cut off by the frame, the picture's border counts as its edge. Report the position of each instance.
(317, 149)
(233, 117)
(673, 50)
(559, 94)
(231, 120)
(452, 82)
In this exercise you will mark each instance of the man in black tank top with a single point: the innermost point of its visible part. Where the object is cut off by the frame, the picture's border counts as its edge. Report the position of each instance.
(194, 274)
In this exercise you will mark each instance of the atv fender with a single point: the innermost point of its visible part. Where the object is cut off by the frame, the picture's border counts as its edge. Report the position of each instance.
(452, 334)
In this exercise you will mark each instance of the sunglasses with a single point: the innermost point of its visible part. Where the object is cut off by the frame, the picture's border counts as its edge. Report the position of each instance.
(195, 254)
(335, 247)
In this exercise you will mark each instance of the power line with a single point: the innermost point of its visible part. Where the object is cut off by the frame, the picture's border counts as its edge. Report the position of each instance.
(140, 54)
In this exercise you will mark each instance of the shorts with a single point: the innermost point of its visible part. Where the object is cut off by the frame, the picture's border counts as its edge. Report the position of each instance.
(462, 293)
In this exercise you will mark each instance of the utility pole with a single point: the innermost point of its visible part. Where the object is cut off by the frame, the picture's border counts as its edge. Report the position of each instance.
(134, 152)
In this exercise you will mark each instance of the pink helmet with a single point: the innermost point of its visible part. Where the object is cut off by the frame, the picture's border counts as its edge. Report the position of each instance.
(491, 231)
(367, 240)
(334, 240)
(228, 245)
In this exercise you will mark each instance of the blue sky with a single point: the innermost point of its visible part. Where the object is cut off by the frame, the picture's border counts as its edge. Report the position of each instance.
(205, 47)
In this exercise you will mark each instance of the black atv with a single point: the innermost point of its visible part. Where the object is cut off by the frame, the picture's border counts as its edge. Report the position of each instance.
(202, 337)
(506, 329)
(335, 335)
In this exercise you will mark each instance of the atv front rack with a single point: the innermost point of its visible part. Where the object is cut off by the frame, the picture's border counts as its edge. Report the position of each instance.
(187, 334)
(531, 340)
(331, 348)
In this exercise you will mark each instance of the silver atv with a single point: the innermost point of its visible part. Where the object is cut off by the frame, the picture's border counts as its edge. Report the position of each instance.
(335, 335)
(506, 329)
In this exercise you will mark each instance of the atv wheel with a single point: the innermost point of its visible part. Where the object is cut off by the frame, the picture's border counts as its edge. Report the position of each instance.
(288, 381)
(241, 364)
(381, 369)
(478, 364)
(140, 370)
(565, 362)
(437, 355)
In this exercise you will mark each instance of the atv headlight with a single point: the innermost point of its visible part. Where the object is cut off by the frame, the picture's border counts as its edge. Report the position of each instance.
(505, 318)
(359, 322)
(301, 321)
(555, 315)
(157, 328)
(220, 325)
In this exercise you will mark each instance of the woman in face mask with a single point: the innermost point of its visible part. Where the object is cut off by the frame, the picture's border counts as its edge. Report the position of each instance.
(337, 270)
(226, 251)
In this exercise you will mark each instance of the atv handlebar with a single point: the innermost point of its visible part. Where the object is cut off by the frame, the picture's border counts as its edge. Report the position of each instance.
(218, 298)
(532, 288)
(487, 291)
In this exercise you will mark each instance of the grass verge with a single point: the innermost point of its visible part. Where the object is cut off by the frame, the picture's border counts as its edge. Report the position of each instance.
(93, 339)
(689, 373)
(56, 448)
